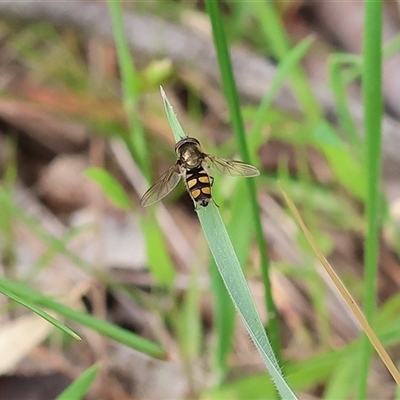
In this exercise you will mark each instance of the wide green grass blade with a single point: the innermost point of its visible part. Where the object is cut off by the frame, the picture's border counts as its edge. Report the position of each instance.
(224, 310)
(373, 108)
(4, 288)
(235, 282)
(233, 277)
(103, 327)
(232, 97)
(241, 234)
(78, 389)
(224, 321)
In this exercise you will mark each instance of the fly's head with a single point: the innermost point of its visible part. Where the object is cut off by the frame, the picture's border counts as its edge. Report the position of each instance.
(189, 153)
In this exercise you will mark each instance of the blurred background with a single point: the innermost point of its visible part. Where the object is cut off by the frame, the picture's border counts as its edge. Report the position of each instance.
(80, 144)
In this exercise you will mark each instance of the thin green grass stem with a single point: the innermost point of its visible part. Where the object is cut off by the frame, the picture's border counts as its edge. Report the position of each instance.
(4, 288)
(232, 98)
(136, 142)
(159, 262)
(373, 107)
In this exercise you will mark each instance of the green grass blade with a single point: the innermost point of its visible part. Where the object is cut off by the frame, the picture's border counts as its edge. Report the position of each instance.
(136, 143)
(110, 186)
(233, 277)
(341, 382)
(373, 108)
(232, 98)
(8, 206)
(130, 84)
(289, 62)
(235, 282)
(172, 119)
(241, 234)
(338, 85)
(4, 288)
(160, 264)
(78, 389)
(224, 320)
(271, 26)
(392, 47)
(105, 328)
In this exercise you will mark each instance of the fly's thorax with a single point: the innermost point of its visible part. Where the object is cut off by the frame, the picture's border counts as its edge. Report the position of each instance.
(189, 153)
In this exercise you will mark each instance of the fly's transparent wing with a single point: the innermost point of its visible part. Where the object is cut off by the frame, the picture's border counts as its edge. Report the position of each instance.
(232, 167)
(165, 184)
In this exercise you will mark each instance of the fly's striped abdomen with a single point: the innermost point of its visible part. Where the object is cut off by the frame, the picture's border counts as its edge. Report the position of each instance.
(199, 185)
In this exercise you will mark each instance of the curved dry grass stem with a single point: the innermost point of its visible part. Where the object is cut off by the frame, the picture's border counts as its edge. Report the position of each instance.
(343, 291)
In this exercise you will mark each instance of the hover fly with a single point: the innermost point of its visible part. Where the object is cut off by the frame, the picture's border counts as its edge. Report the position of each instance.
(192, 164)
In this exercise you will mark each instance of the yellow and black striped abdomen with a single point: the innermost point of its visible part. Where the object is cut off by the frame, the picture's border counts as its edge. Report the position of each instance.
(199, 185)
